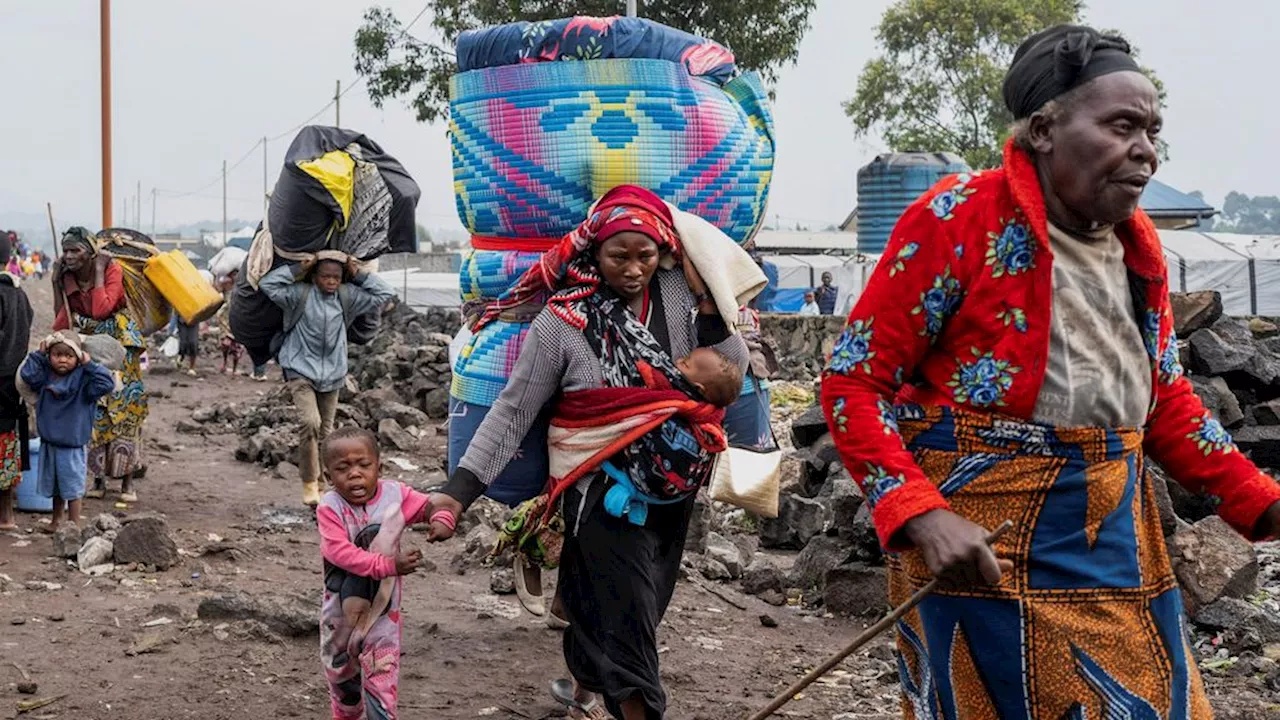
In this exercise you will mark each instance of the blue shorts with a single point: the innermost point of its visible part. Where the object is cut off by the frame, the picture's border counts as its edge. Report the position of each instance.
(525, 476)
(62, 472)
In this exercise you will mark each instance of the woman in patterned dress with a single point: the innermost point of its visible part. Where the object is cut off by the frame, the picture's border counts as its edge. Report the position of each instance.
(1013, 358)
(89, 298)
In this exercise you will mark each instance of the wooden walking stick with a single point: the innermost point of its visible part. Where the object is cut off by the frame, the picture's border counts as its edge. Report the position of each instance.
(866, 636)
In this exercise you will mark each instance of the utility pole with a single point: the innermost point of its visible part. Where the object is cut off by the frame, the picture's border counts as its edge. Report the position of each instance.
(631, 8)
(137, 207)
(224, 201)
(124, 212)
(153, 213)
(104, 41)
(264, 177)
(337, 103)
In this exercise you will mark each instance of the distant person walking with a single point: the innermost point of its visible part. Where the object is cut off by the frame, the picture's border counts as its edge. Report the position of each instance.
(15, 329)
(89, 298)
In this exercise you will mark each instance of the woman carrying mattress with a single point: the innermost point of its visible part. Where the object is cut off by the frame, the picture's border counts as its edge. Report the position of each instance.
(615, 311)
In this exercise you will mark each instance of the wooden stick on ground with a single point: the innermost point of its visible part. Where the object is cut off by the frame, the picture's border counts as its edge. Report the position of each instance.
(866, 636)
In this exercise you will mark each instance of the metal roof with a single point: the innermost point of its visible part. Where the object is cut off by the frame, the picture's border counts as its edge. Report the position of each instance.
(1161, 201)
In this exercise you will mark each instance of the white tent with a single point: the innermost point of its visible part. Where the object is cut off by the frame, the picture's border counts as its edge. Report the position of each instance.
(1245, 269)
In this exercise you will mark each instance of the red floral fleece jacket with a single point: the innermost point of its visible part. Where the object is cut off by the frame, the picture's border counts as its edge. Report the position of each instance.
(957, 314)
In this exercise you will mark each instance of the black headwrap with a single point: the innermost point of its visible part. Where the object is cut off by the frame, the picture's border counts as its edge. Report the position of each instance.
(6, 249)
(1055, 61)
(79, 236)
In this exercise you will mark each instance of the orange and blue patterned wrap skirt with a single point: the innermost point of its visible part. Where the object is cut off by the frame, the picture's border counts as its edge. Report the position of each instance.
(1089, 624)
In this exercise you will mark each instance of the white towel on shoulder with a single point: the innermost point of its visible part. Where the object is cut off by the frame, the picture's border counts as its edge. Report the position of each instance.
(732, 277)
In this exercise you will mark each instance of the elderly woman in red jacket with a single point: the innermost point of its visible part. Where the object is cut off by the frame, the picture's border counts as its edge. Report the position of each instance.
(89, 298)
(1013, 358)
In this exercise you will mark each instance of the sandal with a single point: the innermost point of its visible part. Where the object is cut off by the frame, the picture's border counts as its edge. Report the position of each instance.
(129, 497)
(593, 709)
(529, 598)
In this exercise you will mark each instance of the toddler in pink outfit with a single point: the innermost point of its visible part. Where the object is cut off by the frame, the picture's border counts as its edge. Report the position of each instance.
(361, 520)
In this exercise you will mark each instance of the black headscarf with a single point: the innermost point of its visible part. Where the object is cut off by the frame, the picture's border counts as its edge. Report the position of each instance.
(1054, 61)
(79, 236)
(6, 249)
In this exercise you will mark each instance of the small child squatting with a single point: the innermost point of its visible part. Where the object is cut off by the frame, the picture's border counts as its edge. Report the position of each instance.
(361, 520)
(69, 385)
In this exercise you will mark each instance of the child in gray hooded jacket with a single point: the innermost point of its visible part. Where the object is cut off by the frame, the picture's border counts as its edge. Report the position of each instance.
(318, 306)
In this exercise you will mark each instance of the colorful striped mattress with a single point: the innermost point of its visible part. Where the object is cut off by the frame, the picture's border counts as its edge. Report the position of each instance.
(593, 38)
(534, 144)
(486, 361)
(486, 274)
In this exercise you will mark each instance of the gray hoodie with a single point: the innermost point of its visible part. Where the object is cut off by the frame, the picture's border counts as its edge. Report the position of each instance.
(315, 348)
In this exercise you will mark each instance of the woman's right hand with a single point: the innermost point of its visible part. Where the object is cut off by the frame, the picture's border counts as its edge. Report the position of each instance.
(101, 261)
(955, 549)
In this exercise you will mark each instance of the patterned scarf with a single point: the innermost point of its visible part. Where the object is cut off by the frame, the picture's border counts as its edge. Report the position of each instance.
(671, 461)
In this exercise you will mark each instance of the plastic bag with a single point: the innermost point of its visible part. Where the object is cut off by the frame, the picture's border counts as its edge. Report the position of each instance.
(170, 347)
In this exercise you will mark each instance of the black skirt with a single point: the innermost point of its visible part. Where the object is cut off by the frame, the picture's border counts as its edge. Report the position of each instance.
(616, 580)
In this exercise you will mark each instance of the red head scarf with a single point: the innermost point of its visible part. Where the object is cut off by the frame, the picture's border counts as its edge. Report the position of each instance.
(570, 265)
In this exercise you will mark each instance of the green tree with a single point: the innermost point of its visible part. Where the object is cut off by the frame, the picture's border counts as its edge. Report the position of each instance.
(937, 82)
(424, 235)
(763, 34)
(1258, 215)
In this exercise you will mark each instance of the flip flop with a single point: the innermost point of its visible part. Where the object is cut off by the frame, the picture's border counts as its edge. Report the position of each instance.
(531, 601)
(562, 692)
(129, 497)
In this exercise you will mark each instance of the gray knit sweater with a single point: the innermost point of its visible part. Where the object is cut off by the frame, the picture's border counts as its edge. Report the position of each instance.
(555, 358)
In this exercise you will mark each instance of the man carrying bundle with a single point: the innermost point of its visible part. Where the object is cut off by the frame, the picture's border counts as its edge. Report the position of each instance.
(318, 306)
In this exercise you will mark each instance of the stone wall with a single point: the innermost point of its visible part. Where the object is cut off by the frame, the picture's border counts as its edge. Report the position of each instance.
(802, 343)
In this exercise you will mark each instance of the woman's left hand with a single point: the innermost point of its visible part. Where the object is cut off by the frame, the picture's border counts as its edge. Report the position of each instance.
(691, 275)
(1269, 523)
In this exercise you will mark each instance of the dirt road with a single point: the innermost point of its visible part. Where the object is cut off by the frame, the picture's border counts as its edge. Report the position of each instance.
(467, 652)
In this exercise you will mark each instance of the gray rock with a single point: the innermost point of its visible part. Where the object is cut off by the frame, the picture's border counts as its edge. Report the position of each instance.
(714, 570)
(287, 471)
(1262, 444)
(390, 434)
(761, 578)
(1250, 626)
(95, 551)
(106, 522)
(381, 409)
(146, 541)
(475, 548)
(861, 534)
(287, 615)
(502, 581)
(1212, 354)
(436, 403)
(808, 427)
(726, 553)
(205, 415)
(1187, 506)
(799, 520)
(1218, 399)
(1212, 562)
(822, 555)
(856, 589)
(699, 526)
(188, 427)
(1196, 310)
(66, 541)
(1267, 413)
(1168, 518)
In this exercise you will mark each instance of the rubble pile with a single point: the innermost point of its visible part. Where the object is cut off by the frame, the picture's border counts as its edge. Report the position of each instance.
(139, 541)
(398, 388)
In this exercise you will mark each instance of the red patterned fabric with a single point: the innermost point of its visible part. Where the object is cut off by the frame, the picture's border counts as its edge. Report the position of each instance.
(957, 314)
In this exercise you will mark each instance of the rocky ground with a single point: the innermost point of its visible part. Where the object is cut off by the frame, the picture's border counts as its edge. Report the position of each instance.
(201, 600)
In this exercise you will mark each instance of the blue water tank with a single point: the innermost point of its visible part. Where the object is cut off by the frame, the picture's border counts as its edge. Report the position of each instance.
(888, 184)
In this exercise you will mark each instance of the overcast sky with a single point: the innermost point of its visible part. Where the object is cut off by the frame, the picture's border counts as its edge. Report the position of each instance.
(197, 83)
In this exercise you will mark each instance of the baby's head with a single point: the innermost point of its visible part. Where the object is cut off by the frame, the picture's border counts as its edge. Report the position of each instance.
(64, 351)
(353, 463)
(327, 276)
(715, 376)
